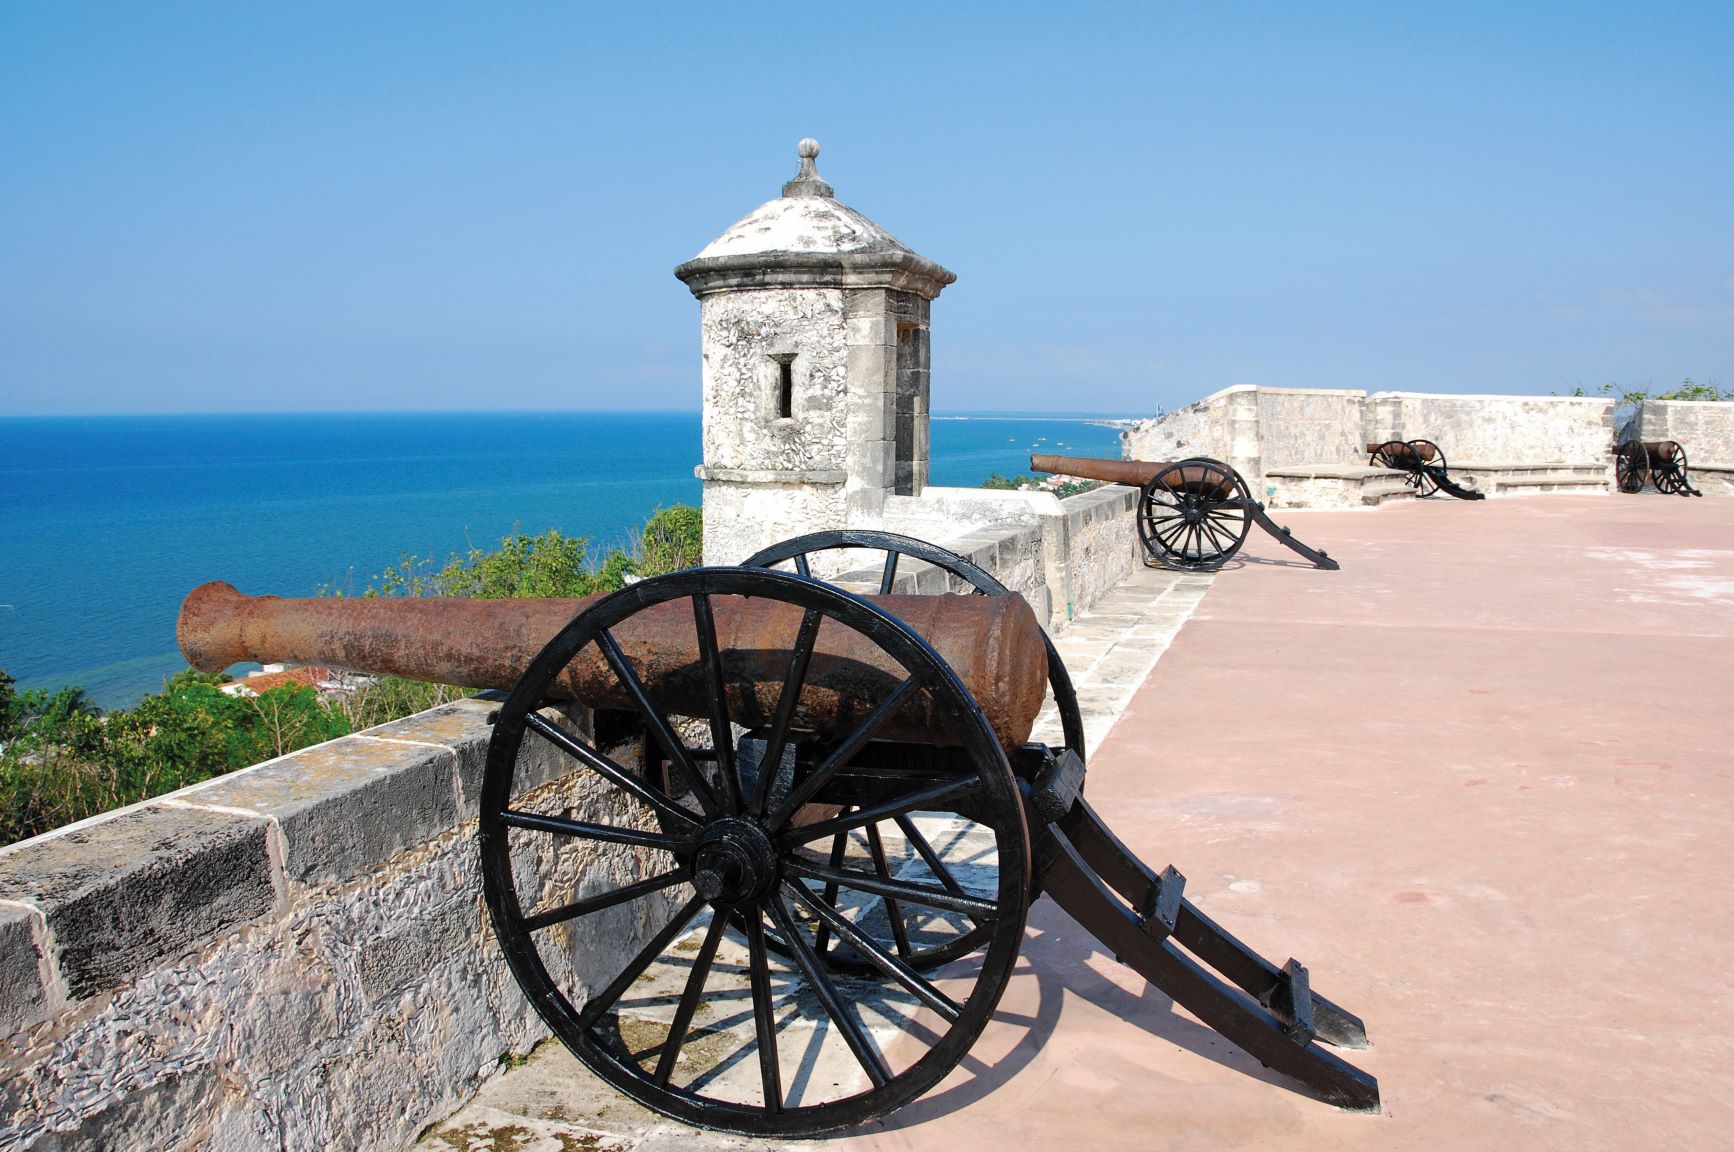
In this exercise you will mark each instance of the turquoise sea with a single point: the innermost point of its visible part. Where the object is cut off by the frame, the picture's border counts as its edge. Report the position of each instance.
(107, 522)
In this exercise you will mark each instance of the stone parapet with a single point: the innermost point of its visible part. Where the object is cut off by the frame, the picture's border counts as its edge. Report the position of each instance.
(1508, 429)
(1286, 442)
(1704, 427)
(294, 956)
(1063, 555)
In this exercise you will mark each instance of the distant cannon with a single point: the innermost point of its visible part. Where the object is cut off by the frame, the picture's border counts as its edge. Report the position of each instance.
(839, 843)
(1424, 461)
(1193, 514)
(1662, 462)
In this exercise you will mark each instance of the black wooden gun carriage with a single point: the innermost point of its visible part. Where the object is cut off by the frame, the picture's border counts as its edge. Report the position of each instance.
(839, 821)
(1661, 462)
(1193, 514)
(1424, 461)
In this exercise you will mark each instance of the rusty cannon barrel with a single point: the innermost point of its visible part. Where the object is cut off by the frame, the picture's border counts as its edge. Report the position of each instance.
(1138, 473)
(1406, 453)
(993, 643)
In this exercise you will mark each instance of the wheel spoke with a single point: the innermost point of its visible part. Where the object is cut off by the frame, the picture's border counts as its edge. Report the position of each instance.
(607, 900)
(899, 930)
(800, 657)
(919, 986)
(928, 855)
(689, 999)
(659, 725)
(1227, 534)
(822, 934)
(1217, 540)
(607, 833)
(841, 755)
(930, 797)
(1171, 538)
(764, 1016)
(608, 769)
(801, 565)
(721, 735)
(1188, 547)
(1162, 512)
(604, 1000)
(813, 971)
(889, 576)
(899, 889)
(1207, 537)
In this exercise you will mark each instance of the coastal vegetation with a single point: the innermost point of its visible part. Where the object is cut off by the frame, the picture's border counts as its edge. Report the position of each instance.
(1626, 400)
(1058, 485)
(63, 759)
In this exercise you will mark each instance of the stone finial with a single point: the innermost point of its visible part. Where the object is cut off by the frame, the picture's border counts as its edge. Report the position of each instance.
(807, 181)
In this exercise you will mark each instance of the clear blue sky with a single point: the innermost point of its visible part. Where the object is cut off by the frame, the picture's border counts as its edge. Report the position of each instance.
(219, 208)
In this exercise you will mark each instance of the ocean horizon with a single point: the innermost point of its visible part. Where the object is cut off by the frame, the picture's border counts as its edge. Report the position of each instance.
(106, 522)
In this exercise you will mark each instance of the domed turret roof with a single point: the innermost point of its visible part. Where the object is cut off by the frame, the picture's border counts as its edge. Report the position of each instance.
(809, 238)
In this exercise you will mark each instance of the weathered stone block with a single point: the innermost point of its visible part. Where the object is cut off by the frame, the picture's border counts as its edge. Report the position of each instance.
(141, 886)
(870, 330)
(872, 366)
(347, 806)
(403, 954)
(174, 1113)
(463, 727)
(23, 998)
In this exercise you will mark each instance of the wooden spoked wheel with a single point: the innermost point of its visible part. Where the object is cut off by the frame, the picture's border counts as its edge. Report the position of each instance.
(638, 929)
(1631, 466)
(886, 555)
(1668, 471)
(1194, 515)
(1429, 465)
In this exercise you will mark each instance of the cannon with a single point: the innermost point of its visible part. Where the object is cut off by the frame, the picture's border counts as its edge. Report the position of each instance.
(838, 832)
(1193, 514)
(1424, 461)
(1662, 462)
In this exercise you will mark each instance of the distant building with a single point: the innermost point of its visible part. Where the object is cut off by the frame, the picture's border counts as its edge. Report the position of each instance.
(328, 682)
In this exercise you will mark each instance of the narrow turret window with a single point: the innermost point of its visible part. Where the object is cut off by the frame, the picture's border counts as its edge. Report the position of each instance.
(785, 387)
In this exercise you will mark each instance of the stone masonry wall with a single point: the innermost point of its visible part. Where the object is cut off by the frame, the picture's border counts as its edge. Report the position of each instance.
(1063, 555)
(1101, 548)
(1223, 426)
(768, 477)
(295, 956)
(744, 333)
(1199, 429)
(741, 518)
(1309, 426)
(1704, 427)
(1497, 429)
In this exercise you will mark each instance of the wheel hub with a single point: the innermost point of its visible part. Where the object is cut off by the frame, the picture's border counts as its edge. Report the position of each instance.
(736, 863)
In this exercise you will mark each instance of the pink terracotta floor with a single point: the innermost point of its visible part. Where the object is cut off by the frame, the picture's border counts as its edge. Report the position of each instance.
(1480, 782)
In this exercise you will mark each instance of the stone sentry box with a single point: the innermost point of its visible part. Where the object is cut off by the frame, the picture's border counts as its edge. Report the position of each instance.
(816, 368)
